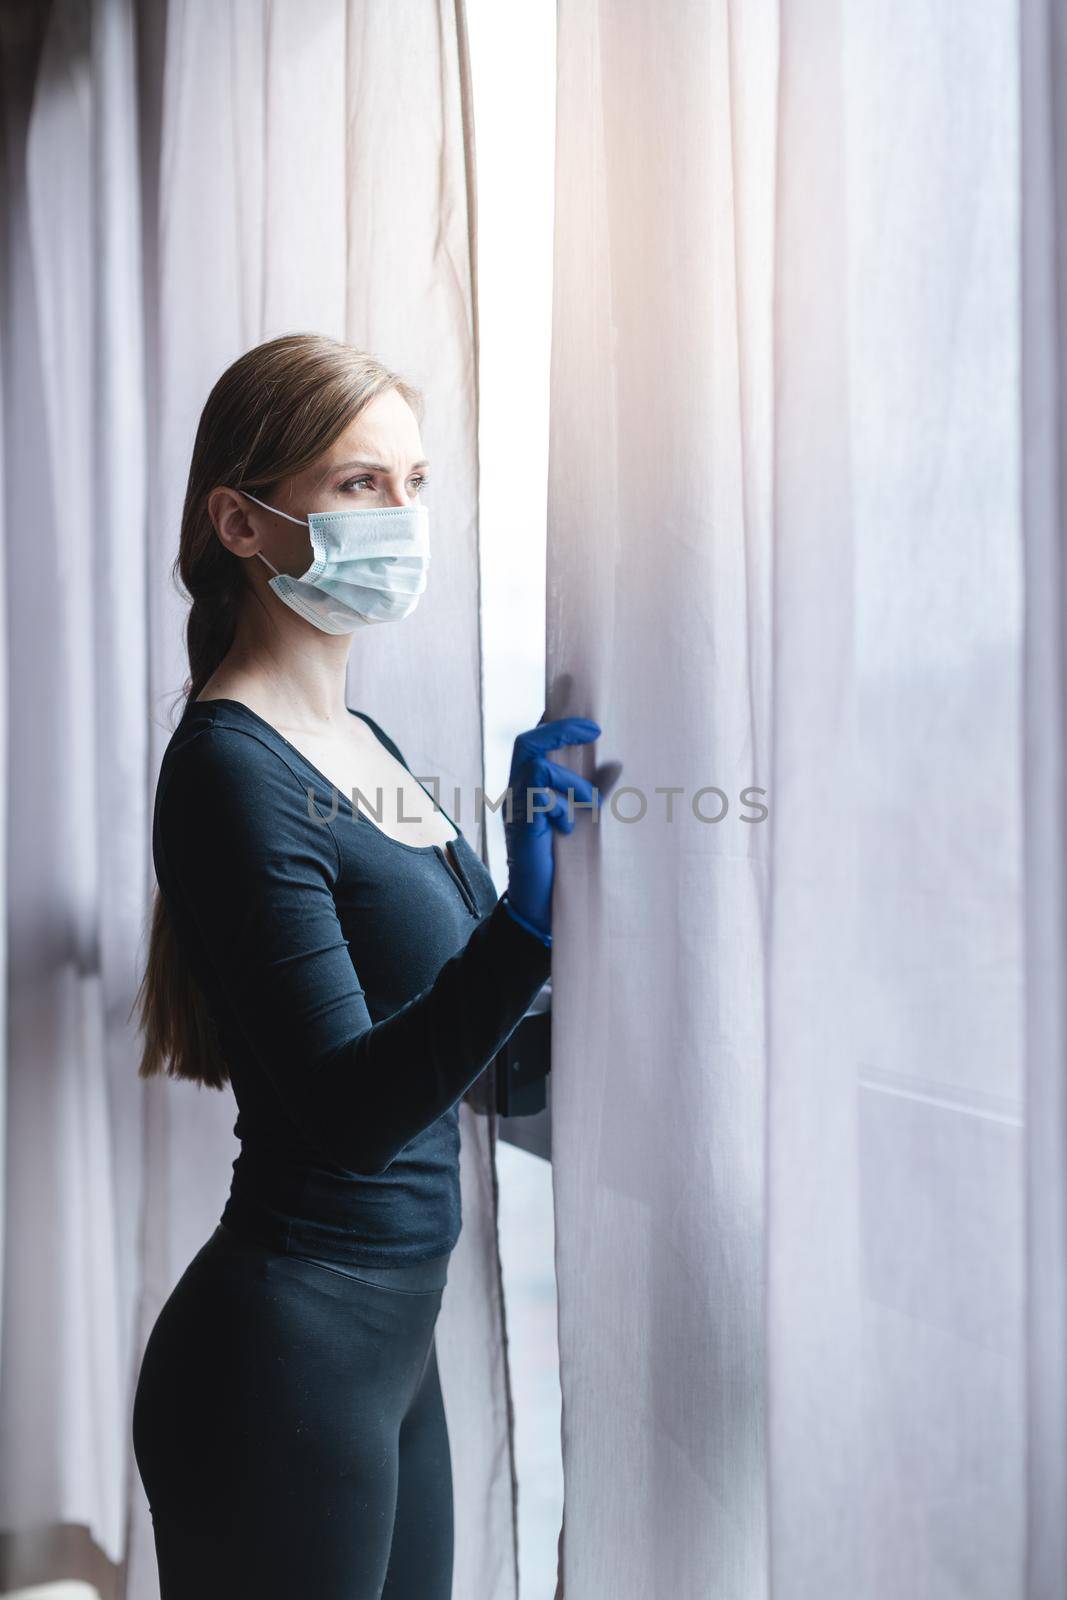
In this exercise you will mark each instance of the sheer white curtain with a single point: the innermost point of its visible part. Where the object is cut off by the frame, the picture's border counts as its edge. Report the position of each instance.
(658, 578)
(183, 181)
(791, 1149)
(1043, 45)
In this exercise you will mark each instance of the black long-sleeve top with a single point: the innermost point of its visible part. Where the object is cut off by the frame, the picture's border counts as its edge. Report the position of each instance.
(359, 985)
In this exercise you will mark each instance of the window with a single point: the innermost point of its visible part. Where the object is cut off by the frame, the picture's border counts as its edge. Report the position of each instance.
(513, 68)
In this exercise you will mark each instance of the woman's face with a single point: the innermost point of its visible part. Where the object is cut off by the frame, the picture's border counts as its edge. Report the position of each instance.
(376, 461)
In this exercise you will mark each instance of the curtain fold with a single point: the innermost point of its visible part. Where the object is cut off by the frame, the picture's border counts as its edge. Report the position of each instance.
(658, 627)
(896, 1239)
(785, 551)
(1043, 366)
(181, 182)
(72, 1179)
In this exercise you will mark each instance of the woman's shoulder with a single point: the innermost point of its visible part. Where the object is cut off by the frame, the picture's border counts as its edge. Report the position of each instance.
(224, 760)
(229, 808)
(232, 813)
(222, 737)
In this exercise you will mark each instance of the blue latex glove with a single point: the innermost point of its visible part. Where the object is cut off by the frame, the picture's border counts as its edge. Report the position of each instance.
(536, 782)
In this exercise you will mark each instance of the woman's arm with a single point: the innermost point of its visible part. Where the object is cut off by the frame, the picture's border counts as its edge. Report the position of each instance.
(235, 845)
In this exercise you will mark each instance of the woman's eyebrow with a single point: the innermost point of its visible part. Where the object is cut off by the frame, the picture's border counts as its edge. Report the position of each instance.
(374, 466)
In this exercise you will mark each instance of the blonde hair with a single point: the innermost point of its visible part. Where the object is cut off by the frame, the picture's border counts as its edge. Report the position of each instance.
(270, 415)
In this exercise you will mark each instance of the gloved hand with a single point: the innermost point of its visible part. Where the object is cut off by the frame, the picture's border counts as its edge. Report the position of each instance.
(535, 783)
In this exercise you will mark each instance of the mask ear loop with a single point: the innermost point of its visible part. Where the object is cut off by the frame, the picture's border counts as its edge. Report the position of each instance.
(278, 513)
(302, 522)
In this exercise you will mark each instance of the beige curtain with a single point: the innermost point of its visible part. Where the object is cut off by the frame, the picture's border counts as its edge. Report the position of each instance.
(183, 181)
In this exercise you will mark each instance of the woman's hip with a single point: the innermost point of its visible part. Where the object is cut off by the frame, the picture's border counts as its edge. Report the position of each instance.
(261, 1363)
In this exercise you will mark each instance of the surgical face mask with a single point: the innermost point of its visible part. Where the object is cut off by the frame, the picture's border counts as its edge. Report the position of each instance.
(370, 565)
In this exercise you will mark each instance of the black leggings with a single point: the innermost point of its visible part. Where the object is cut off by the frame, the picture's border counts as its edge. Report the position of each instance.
(290, 1433)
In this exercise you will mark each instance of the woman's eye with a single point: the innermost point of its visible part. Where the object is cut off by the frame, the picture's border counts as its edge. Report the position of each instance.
(419, 479)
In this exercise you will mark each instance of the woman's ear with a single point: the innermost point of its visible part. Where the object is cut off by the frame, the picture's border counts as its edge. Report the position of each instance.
(229, 514)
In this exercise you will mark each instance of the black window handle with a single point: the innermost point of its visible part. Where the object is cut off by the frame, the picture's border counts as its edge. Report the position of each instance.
(521, 1068)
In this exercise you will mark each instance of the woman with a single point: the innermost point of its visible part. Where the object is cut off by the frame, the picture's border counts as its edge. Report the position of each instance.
(350, 978)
